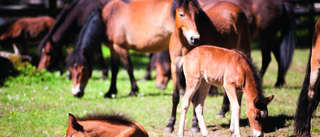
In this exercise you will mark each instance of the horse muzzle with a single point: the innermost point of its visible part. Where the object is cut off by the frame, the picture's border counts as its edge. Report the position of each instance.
(193, 38)
(78, 90)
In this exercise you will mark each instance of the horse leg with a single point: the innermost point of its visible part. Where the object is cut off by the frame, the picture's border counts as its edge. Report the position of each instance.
(175, 100)
(281, 68)
(149, 69)
(198, 104)
(235, 106)
(125, 57)
(102, 63)
(115, 63)
(225, 106)
(266, 56)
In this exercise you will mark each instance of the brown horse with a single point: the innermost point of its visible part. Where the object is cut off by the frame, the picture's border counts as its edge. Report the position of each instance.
(210, 65)
(106, 125)
(64, 30)
(266, 18)
(143, 26)
(219, 23)
(24, 31)
(310, 93)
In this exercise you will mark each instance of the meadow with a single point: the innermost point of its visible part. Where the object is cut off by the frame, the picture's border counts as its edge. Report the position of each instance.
(37, 103)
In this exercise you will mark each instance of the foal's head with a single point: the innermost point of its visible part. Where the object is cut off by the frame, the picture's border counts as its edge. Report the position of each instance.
(80, 70)
(50, 54)
(258, 113)
(186, 19)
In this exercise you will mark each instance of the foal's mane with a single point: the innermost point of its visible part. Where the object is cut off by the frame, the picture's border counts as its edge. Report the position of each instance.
(114, 118)
(255, 72)
(57, 24)
(181, 3)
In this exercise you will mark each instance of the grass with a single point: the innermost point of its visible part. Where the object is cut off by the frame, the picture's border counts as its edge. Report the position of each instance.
(37, 103)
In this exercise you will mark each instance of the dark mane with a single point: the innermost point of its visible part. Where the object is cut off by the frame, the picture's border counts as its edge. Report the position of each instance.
(114, 118)
(255, 72)
(181, 3)
(88, 41)
(56, 25)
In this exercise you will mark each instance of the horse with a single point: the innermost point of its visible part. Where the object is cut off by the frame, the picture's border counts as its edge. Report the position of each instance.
(208, 65)
(107, 125)
(310, 93)
(68, 24)
(133, 25)
(24, 31)
(219, 23)
(267, 18)
(88, 43)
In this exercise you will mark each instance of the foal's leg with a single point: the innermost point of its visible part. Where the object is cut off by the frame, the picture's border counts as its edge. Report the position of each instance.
(198, 104)
(235, 106)
(191, 88)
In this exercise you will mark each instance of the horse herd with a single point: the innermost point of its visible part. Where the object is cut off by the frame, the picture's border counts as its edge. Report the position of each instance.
(199, 43)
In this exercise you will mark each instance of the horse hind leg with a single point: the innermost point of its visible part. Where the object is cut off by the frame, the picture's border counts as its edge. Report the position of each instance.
(198, 103)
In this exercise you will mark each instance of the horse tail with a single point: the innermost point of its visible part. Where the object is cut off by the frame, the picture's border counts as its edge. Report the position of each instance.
(302, 105)
(288, 35)
(181, 79)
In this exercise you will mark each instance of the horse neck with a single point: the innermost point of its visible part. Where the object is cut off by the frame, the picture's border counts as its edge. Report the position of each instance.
(251, 89)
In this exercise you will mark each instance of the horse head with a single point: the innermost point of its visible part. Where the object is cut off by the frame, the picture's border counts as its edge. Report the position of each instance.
(81, 71)
(50, 55)
(258, 114)
(186, 18)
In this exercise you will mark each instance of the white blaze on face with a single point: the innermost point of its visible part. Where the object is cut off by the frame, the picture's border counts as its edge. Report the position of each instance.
(191, 35)
(76, 89)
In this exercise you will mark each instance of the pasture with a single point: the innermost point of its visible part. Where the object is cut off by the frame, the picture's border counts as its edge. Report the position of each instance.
(37, 103)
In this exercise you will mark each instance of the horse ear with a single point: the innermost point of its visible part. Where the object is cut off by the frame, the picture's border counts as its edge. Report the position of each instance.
(269, 99)
(256, 101)
(72, 122)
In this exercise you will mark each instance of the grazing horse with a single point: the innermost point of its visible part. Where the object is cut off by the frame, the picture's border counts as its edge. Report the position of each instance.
(24, 31)
(79, 61)
(266, 18)
(210, 65)
(310, 93)
(64, 30)
(143, 26)
(104, 125)
(219, 23)
(160, 61)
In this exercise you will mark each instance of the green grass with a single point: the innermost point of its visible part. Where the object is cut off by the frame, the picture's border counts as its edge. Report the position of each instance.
(37, 103)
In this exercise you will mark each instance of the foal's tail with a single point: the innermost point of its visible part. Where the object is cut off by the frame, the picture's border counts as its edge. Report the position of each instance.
(288, 37)
(304, 111)
(181, 79)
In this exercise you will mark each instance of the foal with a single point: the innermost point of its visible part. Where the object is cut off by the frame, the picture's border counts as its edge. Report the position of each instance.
(206, 65)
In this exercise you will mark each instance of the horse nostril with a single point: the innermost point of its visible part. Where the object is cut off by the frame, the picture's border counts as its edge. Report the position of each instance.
(196, 41)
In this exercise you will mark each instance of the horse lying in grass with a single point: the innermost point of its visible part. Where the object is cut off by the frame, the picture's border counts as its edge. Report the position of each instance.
(310, 93)
(24, 31)
(104, 125)
(210, 65)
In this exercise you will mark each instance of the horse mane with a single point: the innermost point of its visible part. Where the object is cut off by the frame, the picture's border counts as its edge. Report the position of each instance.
(88, 41)
(255, 72)
(114, 118)
(58, 22)
(181, 3)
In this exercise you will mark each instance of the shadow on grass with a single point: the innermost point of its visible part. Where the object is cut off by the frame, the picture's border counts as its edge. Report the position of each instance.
(272, 123)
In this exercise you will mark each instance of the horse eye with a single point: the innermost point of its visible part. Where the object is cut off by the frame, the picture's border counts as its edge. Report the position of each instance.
(83, 69)
(181, 14)
(48, 53)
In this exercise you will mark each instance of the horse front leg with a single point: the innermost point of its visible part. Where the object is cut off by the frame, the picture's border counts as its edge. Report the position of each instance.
(235, 112)
(175, 100)
(149, 68)
(126, 59)
(115, 63)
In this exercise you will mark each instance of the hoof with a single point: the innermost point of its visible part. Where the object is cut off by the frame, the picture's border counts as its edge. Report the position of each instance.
(168, 129)
(109, 95)
(220, 116)
(132, 94)
(194, 130)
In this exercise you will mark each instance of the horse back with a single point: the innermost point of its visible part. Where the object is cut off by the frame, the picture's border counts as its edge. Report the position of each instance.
(228, 26)
(144, 26)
